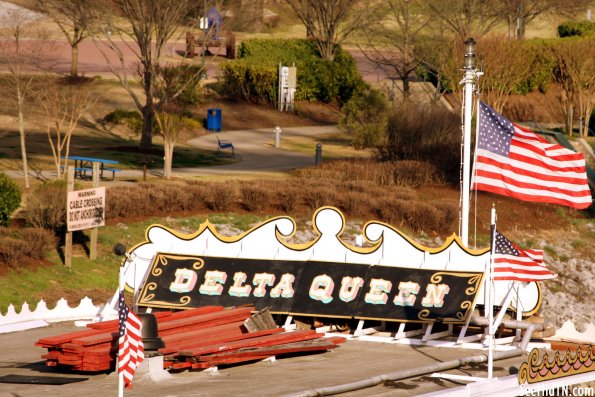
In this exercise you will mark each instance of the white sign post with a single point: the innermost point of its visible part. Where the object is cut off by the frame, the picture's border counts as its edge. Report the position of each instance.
(85, 209)
(287, 87)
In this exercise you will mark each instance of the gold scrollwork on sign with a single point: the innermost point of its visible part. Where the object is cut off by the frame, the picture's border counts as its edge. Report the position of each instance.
(424, 315)
(161, 261)
(474, 281)
(558, 366)
(145, 296)
(465, 305)
(184, 301)
(198, 264)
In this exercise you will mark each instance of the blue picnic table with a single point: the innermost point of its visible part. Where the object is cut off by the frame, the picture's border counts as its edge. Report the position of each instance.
(84, 165)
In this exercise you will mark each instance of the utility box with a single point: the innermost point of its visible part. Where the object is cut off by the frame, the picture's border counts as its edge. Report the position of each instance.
(214, 119)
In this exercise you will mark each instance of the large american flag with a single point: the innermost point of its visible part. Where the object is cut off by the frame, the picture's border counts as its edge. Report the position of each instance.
(516, 162)
(130, 342)
(514, 263)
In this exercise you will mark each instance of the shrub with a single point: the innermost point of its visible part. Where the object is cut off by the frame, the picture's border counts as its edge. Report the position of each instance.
(318, 194)
(131, 118)
(185, 79)
(424, 217)
(46, 207)
(289, 198)
(356, 204)
(10, 198)
(393, 211)
(539, 50)
(576, 28)
(161, 198)
(28, 242)
(254, 198)
(254, 76)
(450, 214)
(411, 173)
(428, 134)
(39, 241)
(250, 81)
(11, 251)
(365, 118)
(125, 201)
(198, 193)
(221, 196)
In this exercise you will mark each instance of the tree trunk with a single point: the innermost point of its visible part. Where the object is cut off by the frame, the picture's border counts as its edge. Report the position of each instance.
(569, 117)
(167, 164)
(520, 35)
(406, 88)
(146, 141)
(511, 30)
(586, 116)
(148, 112)
(22, 137)
(74, 60)
(520, 29)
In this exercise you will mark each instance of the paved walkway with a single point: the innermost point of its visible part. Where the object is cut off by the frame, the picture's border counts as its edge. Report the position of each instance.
(254, 150)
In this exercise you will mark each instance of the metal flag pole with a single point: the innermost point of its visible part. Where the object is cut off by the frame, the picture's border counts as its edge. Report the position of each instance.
(469, 79)
(120, 374)
(489, 292)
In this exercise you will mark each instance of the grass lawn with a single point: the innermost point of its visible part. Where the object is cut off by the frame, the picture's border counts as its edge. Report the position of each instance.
(96, 279)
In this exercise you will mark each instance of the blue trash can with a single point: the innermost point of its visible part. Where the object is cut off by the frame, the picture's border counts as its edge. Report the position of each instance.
(214, 119)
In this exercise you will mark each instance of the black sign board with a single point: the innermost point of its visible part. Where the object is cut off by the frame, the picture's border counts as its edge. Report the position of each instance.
(324, 289)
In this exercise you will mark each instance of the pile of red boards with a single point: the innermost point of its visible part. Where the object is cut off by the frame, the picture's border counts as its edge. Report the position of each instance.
(194, 339)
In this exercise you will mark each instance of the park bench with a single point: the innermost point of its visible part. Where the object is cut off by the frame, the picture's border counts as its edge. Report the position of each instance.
(225, 144)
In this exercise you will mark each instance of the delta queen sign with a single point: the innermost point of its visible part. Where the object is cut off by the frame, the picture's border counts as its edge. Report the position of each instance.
(393, 278)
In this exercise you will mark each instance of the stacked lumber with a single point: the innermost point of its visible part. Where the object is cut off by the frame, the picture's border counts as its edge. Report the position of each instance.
(194, 339)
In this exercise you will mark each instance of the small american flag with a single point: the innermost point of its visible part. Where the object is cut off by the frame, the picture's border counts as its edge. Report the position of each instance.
(130, 350)
(513, 263)
(516, 162)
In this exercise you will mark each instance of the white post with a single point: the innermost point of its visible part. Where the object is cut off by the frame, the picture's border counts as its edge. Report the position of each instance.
(277, 131)
(120, 383)
(471, 74)
(489, 291)
(468, 108)
(121, 281)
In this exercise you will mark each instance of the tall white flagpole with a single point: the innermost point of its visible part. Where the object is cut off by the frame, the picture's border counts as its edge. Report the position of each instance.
(469, 79)
(489, 291)
(120, 374)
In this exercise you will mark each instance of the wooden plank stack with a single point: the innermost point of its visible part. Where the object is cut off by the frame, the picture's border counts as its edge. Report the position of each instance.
(194, 339)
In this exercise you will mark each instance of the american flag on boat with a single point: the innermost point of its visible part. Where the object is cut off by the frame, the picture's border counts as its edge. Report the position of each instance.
(130, 342)
(514, 161)
(514, 263)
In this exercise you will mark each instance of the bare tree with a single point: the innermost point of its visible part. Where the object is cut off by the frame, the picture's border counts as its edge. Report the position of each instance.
(151, 24)
(74, 18)
(442, 57)
(391, 42)
(22, 51)
(466, 18)
(170, 82)
(506, 64)
(575, 72)
(330, 22)
(63, 106)
(520, 13)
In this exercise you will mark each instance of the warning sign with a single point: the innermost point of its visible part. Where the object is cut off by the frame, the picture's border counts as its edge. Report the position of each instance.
(85, 209)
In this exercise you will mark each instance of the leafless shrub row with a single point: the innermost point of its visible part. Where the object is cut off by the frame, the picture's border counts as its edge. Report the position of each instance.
(18, 244)
(392, 203)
